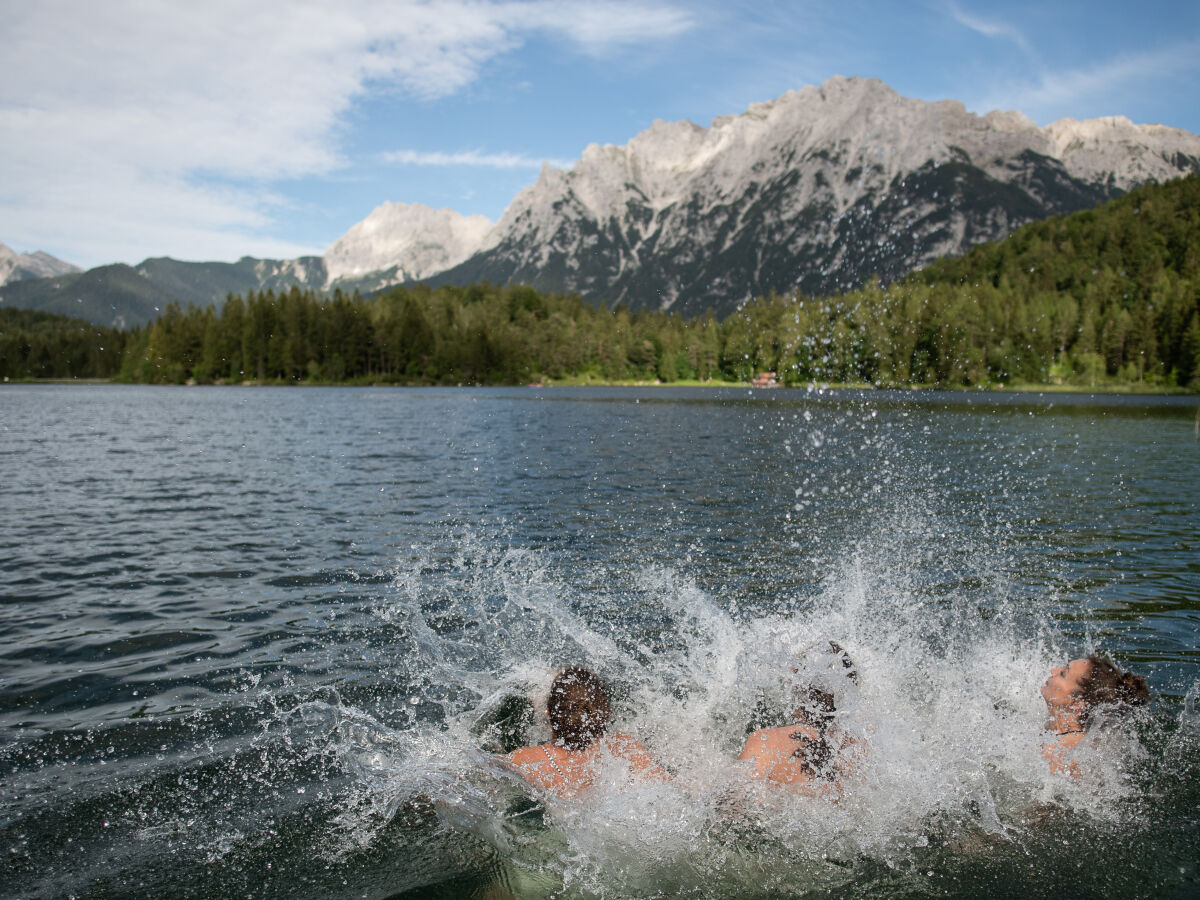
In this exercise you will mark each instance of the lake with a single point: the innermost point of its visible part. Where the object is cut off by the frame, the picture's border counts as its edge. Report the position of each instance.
(259, 641)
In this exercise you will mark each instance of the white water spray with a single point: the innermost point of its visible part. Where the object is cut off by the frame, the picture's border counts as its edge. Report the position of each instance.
(946, 711)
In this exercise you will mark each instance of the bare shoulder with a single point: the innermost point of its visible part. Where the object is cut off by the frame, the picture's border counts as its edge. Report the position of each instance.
(623, 744)
(756, 742)
(635, 753)
(524, 757)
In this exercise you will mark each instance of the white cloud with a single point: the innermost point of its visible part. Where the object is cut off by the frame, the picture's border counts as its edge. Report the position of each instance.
(988, 28)
(124, 123)
(473, 158)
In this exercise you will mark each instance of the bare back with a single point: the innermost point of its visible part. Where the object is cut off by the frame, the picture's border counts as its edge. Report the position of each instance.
(569, 773)
(784, 755)
(774, 752)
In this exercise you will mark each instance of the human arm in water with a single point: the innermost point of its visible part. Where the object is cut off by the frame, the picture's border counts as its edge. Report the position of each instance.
(641, 763)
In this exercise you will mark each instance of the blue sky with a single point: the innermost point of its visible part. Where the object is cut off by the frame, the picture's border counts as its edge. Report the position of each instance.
(131, 129)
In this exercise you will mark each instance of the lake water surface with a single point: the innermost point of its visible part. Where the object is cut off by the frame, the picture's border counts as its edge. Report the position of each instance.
(254, 641)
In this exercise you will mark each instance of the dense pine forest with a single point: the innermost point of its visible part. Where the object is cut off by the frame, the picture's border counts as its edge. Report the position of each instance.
(1104, 298)
(43, 345)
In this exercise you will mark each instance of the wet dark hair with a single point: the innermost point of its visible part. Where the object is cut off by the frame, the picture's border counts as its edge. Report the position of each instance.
(815, 706)
(847, 663)
(578, 707)
(817, 709)
(1104, 683)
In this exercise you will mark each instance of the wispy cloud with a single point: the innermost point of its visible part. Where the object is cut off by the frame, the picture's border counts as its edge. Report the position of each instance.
(600, 28)
(1054, 94)
(474, 158)
(171, 119)
(988, 28)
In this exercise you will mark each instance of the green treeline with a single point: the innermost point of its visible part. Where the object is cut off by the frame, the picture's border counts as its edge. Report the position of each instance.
(43, 345)
(482, 334)
(1102, 298)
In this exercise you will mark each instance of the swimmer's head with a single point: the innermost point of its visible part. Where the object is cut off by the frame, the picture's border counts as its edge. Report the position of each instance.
(1084, 684)
(831, 657)
(816, 705)
(578, 707)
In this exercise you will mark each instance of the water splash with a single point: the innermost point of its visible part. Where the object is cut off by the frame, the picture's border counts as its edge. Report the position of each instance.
(946, 708)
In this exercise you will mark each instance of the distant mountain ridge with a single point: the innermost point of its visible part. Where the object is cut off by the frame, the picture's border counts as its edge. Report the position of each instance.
(820, 189)
(22, 266)
(122, 296)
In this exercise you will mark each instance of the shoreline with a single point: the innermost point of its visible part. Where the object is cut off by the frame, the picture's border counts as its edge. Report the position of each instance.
(1115, 390)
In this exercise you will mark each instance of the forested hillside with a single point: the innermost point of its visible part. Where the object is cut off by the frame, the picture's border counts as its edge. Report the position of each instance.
(43, 345)
(1103, 298)
(1120, 282)
(1099, 297)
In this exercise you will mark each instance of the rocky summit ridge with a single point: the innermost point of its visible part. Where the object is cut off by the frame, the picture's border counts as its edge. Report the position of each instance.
(820, 189)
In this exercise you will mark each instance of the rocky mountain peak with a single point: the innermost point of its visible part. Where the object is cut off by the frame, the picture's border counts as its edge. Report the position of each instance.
(411, 236)
(1113, 146)
(20, 266)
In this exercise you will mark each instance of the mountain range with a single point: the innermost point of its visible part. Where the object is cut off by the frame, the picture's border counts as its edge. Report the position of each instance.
(820, 189)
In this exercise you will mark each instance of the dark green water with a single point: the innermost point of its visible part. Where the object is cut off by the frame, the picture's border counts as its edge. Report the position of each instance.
(250, 639)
